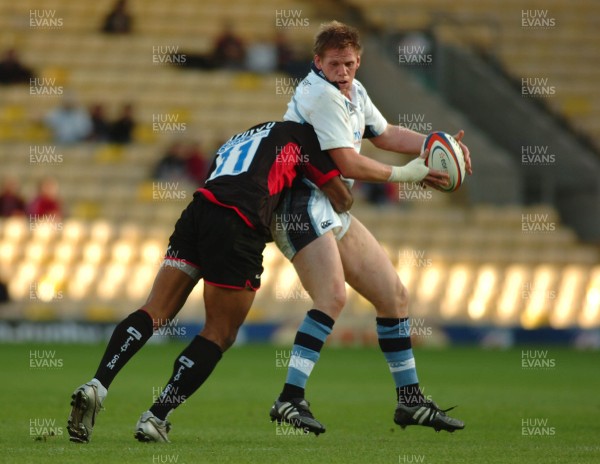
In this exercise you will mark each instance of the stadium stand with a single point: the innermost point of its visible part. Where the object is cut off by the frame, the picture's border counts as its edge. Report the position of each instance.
(561, 42)
(462, 262)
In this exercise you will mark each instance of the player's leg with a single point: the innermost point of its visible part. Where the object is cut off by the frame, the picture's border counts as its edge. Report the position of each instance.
(231, 257)
(370, 272)
(315, 256)
(325, 284)
(173, 283)
(169, 292)
(226, 310)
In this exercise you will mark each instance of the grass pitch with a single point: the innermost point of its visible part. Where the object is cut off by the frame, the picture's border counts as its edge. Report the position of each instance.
(546, 413)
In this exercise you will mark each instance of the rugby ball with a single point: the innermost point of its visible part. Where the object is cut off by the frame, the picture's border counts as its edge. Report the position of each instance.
(445, 155)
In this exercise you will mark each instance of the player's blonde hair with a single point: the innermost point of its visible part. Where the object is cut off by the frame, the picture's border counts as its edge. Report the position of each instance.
(335, 35)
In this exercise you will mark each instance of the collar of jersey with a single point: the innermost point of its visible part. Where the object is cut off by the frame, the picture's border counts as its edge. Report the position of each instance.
(321, 74)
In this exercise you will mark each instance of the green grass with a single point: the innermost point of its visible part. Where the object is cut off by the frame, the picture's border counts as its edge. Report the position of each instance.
(351, 391)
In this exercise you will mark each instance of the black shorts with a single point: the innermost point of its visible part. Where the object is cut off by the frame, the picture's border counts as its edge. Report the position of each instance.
(213, 243)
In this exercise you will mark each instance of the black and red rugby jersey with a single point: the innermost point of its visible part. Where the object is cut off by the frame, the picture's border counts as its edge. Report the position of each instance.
(252, 168)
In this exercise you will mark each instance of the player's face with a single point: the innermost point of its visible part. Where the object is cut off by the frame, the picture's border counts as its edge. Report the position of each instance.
(339, 66)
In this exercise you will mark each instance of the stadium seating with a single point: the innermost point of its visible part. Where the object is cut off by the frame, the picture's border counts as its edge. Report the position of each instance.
(548, 40)
(460, 264)
(473, 271)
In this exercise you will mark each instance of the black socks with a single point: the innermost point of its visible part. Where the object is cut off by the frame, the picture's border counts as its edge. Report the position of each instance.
(191, 368)
(127, 338)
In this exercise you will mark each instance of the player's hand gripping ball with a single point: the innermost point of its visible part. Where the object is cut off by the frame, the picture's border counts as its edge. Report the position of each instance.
(445, 155)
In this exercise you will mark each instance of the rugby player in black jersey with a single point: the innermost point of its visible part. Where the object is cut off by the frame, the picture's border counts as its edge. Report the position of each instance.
(220, 238)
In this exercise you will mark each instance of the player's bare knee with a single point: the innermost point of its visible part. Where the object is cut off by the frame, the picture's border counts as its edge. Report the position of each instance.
(158, 315)
(402, 300)
(224, 338)
(228, 342)
(339, 299)
(333, 303)
(402, 296)
(393, 303)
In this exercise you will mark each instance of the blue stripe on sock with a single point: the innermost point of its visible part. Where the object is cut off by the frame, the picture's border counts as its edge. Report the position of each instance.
(305, 353)
(388, 332)
(295, 377)
(404, 328)
(400, 330)
(316, 329)
(398, 356)
(407, 377)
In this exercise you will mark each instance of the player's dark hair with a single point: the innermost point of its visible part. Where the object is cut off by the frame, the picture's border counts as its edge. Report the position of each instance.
(335, 35)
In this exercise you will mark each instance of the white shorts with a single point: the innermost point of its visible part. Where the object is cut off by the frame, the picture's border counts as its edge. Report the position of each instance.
(304, 215)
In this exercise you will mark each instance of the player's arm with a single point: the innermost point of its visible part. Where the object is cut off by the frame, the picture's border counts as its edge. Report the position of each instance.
(403, 140)
(330, 182)
(338, 193)
(356, 166)
(322, 171)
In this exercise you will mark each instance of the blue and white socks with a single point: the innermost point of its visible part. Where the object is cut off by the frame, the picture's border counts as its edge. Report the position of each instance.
(309, 340)
(394, 341)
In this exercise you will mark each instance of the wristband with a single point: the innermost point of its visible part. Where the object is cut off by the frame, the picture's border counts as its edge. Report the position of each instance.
(415, 171)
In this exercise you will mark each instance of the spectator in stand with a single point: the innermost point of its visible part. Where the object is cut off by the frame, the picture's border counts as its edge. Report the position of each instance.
(118, 20)
(11, 202)
(173, 165)
(261, 57)
(12, 71)
(46, 206)
(197, 163)
(121, 131)
(69, 123)
(229, 50)
(375, 194)
(100, 125)
(287, 59)
(4, 297)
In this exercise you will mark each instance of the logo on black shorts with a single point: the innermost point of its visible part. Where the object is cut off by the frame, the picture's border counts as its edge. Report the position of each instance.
(326, 224)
